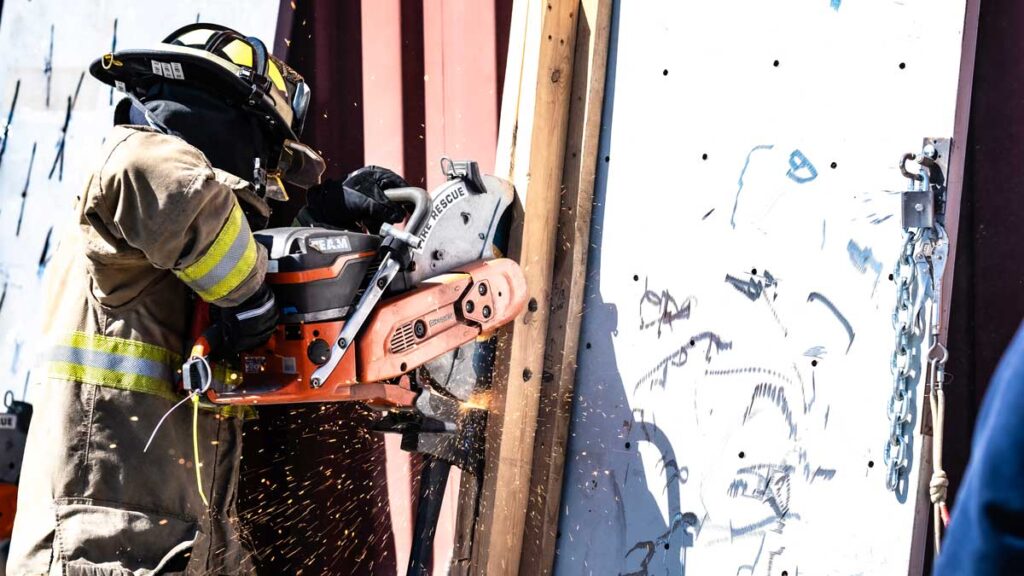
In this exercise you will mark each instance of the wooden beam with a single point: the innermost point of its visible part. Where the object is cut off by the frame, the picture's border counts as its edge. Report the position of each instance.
(522, 61)
(465, 525)
(567, 287)
(532, 141)
(465, 552)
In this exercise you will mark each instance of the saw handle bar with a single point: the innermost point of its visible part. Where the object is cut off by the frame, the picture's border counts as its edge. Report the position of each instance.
(420, 200)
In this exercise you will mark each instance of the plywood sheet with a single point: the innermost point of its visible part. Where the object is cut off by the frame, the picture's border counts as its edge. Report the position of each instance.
(730, 409)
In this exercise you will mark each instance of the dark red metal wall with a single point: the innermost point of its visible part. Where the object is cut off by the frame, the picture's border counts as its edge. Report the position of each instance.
(988, 295)
(394, 82)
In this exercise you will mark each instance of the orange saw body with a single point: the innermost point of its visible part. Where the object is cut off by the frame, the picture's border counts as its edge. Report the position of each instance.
(402, 334)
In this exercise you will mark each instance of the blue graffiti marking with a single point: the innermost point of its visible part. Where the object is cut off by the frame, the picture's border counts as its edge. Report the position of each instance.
(817, 296)
(797, 163)
(44, 257)
(16, 359)
(732, 219)
(863, 260)
(835, 4)
(658, 376)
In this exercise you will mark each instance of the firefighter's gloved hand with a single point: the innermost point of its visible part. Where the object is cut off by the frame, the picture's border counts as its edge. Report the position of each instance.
(251, 323)
(358, 200)
(370, 182)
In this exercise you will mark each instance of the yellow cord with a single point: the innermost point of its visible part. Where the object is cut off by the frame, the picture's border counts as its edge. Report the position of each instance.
(195, 447)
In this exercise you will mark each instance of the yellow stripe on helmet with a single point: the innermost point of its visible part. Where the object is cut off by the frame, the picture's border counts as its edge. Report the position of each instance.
(239, 52)
(275, 76)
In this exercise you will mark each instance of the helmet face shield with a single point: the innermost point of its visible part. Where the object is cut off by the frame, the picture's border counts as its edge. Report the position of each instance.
(274, 188)
(300, 165)
(300, 105)
(297, 164)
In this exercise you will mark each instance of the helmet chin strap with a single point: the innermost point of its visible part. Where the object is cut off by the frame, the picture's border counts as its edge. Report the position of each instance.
(259, 178)
(151, 120)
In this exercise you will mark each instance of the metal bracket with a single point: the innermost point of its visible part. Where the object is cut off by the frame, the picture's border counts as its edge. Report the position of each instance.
(467, 170)
(918, 209)
(924, 202)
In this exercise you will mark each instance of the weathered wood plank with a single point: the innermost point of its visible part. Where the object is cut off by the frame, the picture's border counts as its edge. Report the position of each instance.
(567, 286)
(534, 154)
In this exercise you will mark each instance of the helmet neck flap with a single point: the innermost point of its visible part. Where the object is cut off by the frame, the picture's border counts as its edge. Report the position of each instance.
(189, 113)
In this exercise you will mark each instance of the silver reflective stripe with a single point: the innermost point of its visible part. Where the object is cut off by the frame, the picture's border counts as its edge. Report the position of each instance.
(227, 262)
(258, 311)
(115, 362)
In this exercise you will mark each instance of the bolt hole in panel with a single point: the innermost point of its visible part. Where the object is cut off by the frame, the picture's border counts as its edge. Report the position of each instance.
(705, 306)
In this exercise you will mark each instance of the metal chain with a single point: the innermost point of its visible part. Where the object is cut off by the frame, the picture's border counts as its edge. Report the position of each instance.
(905, 320)
(918, 276)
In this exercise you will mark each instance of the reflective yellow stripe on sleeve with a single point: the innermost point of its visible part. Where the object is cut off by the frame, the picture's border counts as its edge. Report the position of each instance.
(125, 365)
(227, 262)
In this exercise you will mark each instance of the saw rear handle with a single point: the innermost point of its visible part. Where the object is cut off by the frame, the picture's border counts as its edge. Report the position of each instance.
(196, 374)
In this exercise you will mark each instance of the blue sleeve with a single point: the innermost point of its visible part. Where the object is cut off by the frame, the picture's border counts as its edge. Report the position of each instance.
(986, 533)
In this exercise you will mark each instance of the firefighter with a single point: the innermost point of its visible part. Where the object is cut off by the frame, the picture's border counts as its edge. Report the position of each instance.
(208, 133)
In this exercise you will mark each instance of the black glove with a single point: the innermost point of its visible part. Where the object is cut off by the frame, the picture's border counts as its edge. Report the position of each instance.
(249, 324)
(358, 200)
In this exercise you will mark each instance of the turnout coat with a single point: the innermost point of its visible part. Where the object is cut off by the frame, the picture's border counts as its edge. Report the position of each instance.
(154, 223)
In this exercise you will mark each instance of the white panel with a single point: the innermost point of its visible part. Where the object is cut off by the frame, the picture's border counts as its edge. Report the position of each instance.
(82, 31)
(721, 432)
